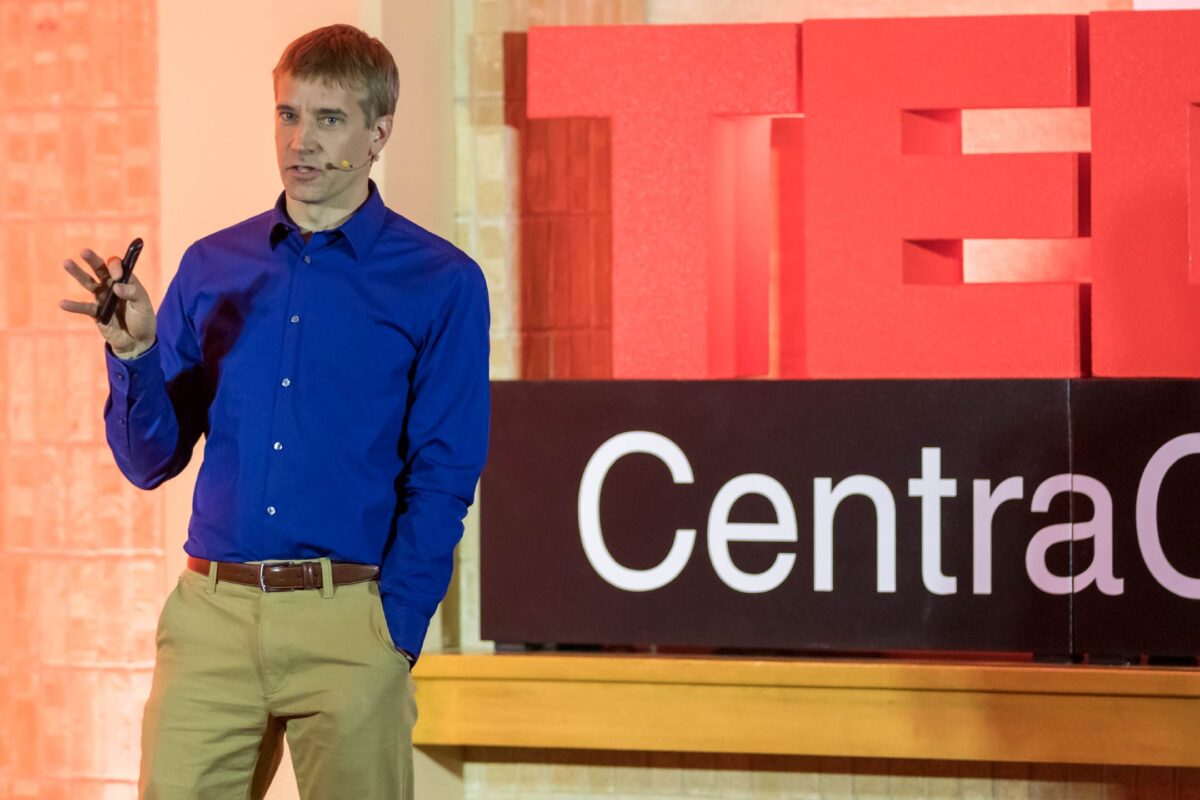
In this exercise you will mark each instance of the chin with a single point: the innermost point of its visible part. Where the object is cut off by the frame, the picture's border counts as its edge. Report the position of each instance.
(302, 194)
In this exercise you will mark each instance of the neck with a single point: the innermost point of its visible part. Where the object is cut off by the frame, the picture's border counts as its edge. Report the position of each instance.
(312, 217)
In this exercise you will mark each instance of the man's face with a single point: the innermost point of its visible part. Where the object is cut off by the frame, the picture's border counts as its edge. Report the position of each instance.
(317, 123)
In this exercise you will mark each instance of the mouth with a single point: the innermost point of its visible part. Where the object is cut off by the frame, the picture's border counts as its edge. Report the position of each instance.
(302, 171)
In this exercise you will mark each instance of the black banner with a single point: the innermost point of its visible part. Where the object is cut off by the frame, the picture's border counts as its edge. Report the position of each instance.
(845, 515)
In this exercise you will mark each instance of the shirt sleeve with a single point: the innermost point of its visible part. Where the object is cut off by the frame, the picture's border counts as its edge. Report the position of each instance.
(155, 410)
(444, 448)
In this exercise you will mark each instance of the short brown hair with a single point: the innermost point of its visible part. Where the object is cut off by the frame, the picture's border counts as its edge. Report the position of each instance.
(347, 57)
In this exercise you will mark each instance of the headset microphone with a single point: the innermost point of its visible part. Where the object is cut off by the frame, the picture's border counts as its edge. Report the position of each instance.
(346, 166)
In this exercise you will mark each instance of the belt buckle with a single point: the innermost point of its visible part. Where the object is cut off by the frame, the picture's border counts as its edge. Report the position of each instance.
(262, 582)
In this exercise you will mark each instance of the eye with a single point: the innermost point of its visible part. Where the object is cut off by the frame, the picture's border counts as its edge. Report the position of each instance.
(329, 122)
(286, 116)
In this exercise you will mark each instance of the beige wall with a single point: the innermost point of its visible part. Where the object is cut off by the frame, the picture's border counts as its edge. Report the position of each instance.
(218, 162)
(218, 158)
(419, 172)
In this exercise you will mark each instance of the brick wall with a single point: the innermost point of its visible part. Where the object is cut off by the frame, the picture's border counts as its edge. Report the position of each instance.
(551, 325)
(80, 550)
(533, 195)
(506, 774)
(492, 211)
(564, 225)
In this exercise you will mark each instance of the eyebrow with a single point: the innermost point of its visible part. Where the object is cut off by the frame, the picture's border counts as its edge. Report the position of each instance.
(321, 112)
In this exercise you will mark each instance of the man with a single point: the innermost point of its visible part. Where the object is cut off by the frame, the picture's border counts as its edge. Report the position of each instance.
(334, 355)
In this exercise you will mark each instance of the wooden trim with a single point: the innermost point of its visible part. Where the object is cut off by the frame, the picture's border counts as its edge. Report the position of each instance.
(888, 709)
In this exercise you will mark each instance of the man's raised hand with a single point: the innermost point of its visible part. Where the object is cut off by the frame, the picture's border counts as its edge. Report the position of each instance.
(130, 331)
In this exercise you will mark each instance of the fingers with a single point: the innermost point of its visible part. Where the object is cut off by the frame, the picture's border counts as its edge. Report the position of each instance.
(85, 280)
(126, 291)
(92, 309)
(133, 292)
(97, 264)
(114, 268)
(76, 307)
(134, 283)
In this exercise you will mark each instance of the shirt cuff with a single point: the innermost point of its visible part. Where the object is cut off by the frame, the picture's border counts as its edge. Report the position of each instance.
(407, 627)
(124, 375)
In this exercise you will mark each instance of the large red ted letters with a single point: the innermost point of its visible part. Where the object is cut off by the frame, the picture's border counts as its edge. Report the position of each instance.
(874, 196)
(896, 197)
(687, 105)
(1146, 194)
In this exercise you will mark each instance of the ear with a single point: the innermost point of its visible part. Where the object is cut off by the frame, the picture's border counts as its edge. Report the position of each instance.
(381, 131)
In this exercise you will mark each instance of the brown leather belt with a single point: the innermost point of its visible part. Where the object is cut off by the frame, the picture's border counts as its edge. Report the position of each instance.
(285, 576)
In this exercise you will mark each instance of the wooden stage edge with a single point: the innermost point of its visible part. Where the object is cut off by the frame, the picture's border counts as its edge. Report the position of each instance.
(883, 709)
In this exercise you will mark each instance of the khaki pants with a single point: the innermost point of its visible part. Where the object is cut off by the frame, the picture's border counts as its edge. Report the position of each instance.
(239, 668)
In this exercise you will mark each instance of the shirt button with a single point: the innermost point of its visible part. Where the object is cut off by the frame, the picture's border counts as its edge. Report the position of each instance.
(279, 445)
(295, 317)
(286, 382)
(308, 259)
(271, 510)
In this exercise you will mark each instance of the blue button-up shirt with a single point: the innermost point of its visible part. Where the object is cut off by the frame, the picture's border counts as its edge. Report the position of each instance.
(341, 385)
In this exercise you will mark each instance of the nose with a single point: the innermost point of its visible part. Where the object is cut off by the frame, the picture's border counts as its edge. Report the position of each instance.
(302, 138)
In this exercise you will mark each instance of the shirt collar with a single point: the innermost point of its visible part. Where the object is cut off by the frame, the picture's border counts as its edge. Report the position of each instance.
(360, 230)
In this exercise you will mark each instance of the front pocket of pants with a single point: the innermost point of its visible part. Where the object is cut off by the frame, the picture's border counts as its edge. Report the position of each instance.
(163, 616)
(379, 623)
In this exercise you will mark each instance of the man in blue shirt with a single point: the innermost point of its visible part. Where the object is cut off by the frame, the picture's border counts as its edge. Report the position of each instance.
(334, 355)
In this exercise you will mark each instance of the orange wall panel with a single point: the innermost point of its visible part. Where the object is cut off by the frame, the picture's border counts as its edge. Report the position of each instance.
(81, 560)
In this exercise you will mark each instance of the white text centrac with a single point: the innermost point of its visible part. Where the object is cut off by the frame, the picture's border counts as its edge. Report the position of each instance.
(930, 487)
